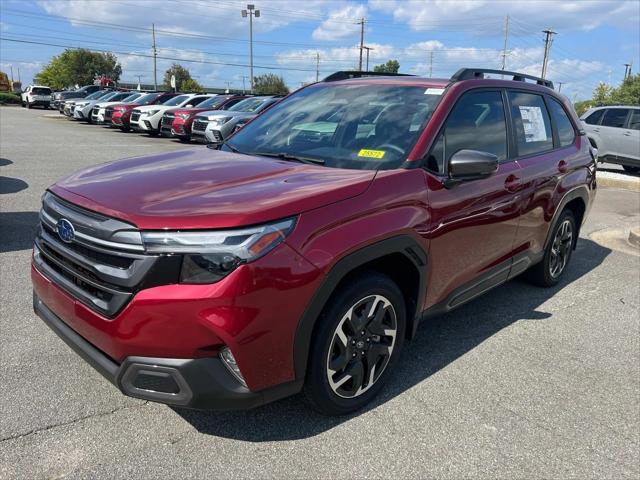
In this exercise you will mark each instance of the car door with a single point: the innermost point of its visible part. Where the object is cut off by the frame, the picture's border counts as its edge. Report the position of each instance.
(612, 130)
(630, 139)
(545, 154)
(474, 223)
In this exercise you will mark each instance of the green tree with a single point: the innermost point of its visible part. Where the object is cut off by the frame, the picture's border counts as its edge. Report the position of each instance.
(392, 66)
(628, 93)
(182, 75)
(601, 94)
(191, 86)
(78, 66)
(269, 84)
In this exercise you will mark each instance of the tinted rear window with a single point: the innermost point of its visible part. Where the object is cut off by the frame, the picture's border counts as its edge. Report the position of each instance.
(41, 91)
(615, 117)
(566, 134)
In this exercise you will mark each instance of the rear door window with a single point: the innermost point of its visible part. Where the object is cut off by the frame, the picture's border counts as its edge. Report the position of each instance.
(634, 121)
(566, 134)
(615, 117)
(531, 123)
(477, 122)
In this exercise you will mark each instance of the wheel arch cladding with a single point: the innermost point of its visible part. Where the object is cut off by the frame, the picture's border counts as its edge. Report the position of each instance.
(575, 200)
(401, 257)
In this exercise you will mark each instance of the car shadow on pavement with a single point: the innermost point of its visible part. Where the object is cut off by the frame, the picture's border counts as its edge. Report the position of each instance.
(4, 162)
(17, 230)
(12, 185)
(439, 342)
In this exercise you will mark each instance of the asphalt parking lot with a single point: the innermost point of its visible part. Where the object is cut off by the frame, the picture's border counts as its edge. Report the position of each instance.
(521, 383)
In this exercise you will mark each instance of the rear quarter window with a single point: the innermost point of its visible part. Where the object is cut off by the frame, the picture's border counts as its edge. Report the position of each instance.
(566, 134)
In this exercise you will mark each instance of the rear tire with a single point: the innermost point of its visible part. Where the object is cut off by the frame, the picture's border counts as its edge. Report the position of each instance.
(356, 343)
(550, 270)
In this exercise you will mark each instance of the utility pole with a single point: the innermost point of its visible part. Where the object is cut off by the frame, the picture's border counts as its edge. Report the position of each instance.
(244, 77)
(251, 12)
(430, 63)
(361, 22)
(19, 75)
(317, 66)
(560, 86)
(139, 81)
(11, 67)
(506, 39)
(367, 49)
(627, 70)
(548, 40)
(155, 55)
(228, 85)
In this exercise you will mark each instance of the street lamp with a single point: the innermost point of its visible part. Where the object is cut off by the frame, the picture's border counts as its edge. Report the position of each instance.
(251, 12)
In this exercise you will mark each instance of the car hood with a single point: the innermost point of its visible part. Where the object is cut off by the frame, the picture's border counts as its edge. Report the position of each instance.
(203, 188)
(146, 108)
(106, 104)
(220, 113)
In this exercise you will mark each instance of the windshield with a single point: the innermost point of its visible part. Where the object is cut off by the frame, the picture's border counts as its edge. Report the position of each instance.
(172, 102)
(359, 126)
(131, 97)
(41, 91)
(248, 105)
(109, 96)
(96, 95)
(144, 99)
(211, 102)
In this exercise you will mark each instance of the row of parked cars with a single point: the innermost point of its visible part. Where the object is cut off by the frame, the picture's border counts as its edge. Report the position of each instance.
(207, 118)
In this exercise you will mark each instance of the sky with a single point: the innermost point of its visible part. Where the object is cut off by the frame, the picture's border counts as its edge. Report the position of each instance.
(294, 38)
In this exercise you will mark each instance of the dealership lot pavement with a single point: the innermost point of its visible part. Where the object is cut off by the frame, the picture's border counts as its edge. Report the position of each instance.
(523, 382)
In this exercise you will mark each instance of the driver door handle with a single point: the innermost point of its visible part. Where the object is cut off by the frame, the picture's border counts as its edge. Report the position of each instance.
(512, 183)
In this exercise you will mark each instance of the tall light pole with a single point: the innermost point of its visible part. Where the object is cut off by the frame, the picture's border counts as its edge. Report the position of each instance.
(548, 40)
(367, 49)
(251, 12)
(361, 22)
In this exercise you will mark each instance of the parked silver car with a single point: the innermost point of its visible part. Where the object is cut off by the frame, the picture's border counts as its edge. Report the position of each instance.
(214, 126)
(615, 131)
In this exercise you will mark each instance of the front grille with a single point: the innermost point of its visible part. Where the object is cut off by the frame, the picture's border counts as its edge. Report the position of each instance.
(167, 120)
(103, 266)
(199, 125)
(135, 116)
(108, 113)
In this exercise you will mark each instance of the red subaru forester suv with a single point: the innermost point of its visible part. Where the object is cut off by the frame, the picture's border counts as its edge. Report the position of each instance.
(305, 252)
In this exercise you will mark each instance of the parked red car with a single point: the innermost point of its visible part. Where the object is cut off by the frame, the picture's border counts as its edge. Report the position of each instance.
(121, 114)
(177, 122)
(305, 252)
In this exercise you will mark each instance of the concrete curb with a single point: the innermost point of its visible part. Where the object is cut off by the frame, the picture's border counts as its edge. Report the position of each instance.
(631, 183)
(634, 236)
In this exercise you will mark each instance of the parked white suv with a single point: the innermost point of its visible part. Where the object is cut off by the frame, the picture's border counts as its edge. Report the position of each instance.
(36, 95)
(615, 131)
(147, 118)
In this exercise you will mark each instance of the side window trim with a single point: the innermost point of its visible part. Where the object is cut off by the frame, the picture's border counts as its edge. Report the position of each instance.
(554, 126)
(507, 116)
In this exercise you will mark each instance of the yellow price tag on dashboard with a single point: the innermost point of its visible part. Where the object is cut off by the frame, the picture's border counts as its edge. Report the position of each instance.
(371, 153)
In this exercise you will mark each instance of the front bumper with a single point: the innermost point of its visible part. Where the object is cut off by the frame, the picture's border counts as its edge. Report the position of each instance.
(202, 383)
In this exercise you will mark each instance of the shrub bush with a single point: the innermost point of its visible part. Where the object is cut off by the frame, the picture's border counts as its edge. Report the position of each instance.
(10, 98)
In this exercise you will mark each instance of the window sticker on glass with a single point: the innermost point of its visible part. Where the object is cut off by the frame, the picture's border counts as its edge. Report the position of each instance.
(533, 124)
(434, 91)
(371, 153)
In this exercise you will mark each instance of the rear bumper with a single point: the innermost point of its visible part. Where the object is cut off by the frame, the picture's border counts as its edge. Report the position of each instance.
(202, 383)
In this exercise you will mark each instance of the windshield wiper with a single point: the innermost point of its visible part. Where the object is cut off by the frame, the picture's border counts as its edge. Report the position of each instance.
(287, 156)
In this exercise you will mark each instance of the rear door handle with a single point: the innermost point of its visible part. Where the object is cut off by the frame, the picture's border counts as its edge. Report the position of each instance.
(627, 134)
(596, 130)
(562, 166)
(512, 183)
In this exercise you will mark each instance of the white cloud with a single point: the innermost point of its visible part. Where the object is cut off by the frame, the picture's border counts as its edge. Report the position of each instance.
(341, 23)
(486, 16)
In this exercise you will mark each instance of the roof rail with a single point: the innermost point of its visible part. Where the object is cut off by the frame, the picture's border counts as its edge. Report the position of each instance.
(346, 74)
(470, 73)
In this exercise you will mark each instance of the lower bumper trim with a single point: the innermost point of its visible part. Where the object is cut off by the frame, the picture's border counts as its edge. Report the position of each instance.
(200, 383)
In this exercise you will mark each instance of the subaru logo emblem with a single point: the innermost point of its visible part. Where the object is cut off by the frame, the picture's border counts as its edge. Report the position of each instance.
(65, 230)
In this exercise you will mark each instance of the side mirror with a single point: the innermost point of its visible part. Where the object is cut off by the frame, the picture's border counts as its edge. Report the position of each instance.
(470, 165)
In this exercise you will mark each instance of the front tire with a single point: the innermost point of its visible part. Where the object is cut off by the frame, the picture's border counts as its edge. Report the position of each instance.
(357, 341)
(550, 270)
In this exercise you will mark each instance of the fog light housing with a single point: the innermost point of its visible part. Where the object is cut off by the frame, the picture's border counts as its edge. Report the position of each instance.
(229, 361)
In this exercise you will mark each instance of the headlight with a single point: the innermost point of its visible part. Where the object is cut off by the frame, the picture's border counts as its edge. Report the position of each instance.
(211, 255)
(184, 116)
(151, 113)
